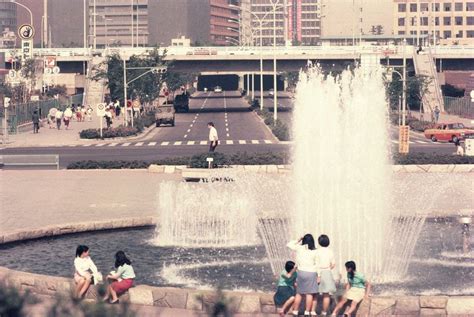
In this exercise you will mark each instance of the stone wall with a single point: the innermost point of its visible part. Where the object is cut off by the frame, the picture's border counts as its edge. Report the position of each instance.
(240, 302)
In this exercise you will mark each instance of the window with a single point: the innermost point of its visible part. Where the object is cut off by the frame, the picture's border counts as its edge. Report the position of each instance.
(413, 21)
(459, 34)
(424, 7)
(413, 7)
(402, 7)
(437, 21)
(424, 20)
(401, 32)
(446, 34)
(470, 34)
(470, 20)
(435, 7)
(401, 21)
(470, 6)
(458, 6)
(447, 20)
(458, 20)
(447, 7)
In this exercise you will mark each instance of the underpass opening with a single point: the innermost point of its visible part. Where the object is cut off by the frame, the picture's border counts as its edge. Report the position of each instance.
(267, 82)
(226, 82)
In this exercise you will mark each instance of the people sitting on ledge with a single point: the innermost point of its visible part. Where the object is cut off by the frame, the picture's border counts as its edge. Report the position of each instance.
(122, 278)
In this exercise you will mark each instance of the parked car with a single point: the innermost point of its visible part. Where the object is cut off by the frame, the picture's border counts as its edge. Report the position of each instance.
(218, 89)
(451, 132)
(164, 114)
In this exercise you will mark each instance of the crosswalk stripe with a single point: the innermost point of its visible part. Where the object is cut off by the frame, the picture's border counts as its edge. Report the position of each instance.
(139, 144)
(86, 145)
(126, 144)
(203, 142)
(178, 143)
(100, 144)
(113, 144)
(421, 142)
(190, 142)
(394, 141)
(152, 144)
(268, 142)
(165, 143)
(242, 142)
(255, 142)
(229, 142)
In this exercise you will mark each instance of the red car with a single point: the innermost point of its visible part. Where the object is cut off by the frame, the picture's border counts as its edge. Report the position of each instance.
(447, 132)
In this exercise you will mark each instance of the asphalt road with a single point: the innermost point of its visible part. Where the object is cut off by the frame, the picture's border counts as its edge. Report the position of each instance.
(240, 130)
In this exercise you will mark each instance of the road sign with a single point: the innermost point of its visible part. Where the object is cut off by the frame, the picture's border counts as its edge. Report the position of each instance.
(49, 61)
(26, 49)
(404, 139)
(26, 31)
(6, 102)
(101, 109)
(12, 73)
(56, 70)
(48, 71)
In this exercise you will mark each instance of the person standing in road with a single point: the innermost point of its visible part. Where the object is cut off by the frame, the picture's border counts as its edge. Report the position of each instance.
(212, 137)
(59, 117)
(36, 121)
(436, 114)
(459, 148)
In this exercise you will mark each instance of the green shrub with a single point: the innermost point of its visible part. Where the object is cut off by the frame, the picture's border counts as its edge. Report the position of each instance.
(13, 302)
(419, 126)
(144, 121)
(117, 132)
(280, 130)
(431, 158)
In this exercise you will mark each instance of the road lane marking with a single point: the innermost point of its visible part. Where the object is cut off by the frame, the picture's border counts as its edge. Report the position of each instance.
(126, 144)
(190, 142)
(422, 142)
(394, 141)
(100, 144)
(185, 136)
(267, 141)
(139, 144)
(203, 142)
(165, 143)
(86, 145)
(255, 142)
(228, 135)
(230, 142)
(178, 143)
(189, 130)
(152, 144)
(242, 142)
(113, 144)
(227, 129)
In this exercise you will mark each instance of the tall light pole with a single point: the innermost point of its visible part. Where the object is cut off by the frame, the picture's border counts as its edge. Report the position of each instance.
(26, 8)
(275, 88)
(85, 26)
(95, 24)
(132, 22)
(404, 92)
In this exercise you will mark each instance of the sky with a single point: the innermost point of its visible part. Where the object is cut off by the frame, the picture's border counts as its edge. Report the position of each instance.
(339, 16)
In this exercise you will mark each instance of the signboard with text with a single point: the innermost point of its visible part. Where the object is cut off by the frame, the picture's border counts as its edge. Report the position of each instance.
(404, 139)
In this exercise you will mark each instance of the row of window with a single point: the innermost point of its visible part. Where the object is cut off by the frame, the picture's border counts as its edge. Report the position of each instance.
(446, 34)
(459, 21)
(446, 7)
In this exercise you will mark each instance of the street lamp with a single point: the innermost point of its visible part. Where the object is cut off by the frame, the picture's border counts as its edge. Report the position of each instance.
(154, 69)
(25, 7)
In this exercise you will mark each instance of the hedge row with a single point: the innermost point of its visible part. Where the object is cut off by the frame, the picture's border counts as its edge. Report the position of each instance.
(280, 129)
(139, 125)
(223, 160)
(414, 123)
(195, 161)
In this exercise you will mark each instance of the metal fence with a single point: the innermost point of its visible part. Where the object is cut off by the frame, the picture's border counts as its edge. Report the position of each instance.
(462, 107)
(21, 114)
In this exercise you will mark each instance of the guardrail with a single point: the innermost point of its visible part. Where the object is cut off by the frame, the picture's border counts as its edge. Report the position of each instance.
(29, 160)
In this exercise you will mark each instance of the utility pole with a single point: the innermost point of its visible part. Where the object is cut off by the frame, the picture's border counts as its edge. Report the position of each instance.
(45, 23)
(95, 25)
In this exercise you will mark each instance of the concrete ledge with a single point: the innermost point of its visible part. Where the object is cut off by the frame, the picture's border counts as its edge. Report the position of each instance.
(56, 230)
(285, 169)
(238, 302)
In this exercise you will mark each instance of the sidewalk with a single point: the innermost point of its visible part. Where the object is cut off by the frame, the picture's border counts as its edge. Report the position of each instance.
(445, 118)
(54, 137)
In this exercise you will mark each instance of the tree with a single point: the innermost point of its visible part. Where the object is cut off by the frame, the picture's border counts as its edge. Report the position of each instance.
(175, 79)
(292, 78)
(56, 90)
(146, 88)
(417, 87)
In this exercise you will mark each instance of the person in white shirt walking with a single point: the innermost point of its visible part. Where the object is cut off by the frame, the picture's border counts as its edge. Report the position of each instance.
(212, 137)
(325, 263)
(85, 269)
(306, 280)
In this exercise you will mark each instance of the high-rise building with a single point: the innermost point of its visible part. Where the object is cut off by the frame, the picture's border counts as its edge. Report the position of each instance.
(7, 16)
(224, 22)
(118, 22)
(294, 22)
(435, 21)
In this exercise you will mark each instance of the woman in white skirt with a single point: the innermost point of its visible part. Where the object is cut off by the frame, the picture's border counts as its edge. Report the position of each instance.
(357, 288)
(306, 281)
(326, 262)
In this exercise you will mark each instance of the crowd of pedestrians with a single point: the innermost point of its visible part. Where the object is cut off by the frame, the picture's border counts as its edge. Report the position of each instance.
(86, 274)
(56, 117)
(311, 275)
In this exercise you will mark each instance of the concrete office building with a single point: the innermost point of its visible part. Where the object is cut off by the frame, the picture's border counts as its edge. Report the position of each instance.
(297, 21)
(7, 16)
(224, 22)
(445, 22)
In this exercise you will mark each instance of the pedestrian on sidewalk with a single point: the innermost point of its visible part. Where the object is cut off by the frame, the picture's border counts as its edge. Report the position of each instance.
(58, 116)
(52, 117)
(117, 108)
(67, 117)
(123, 278)
(78, 113)
(436, 114)
(212, 137)
(89, 113)
(108, 118)
(36, 121)
(459, 148)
